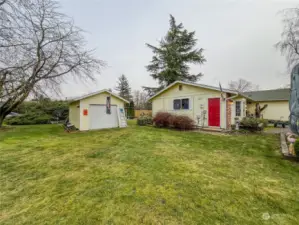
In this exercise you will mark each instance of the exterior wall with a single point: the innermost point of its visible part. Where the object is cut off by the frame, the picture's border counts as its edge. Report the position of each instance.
(74, 113)
(276, 110)
(96, 99)
(198, 102)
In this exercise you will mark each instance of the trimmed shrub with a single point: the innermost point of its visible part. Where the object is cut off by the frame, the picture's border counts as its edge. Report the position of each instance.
(144, 120)
(167, 120)
(296, 147)
(182, 122)
(253, 124)
(263, 121)
(161, 119)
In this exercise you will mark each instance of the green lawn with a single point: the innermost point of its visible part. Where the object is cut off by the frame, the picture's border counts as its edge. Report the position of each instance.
(144, 175)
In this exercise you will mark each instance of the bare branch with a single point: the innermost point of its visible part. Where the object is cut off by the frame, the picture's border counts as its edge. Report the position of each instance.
(39, 47)
(289, 43)
(242, 85)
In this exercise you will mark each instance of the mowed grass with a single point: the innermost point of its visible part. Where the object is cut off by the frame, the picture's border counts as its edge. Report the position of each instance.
(144, 175)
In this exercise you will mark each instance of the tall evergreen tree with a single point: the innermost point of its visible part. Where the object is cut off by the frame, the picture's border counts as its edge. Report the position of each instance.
(123, 87)
(172, 59)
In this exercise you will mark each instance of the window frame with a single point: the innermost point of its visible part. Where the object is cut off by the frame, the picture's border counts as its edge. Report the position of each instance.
(174, 104)
(240, 110)
(180, 100)
(188, 103)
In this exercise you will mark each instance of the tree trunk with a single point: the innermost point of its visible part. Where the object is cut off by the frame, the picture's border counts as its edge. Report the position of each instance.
(2, 116)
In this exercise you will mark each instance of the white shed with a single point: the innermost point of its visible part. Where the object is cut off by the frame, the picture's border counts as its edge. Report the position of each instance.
(98, 110)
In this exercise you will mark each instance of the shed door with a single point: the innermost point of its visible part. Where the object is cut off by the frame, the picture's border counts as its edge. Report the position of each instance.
(214, 112)
(98, 117)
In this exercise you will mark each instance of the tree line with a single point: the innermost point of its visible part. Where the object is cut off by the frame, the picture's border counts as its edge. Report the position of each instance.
(138, 99)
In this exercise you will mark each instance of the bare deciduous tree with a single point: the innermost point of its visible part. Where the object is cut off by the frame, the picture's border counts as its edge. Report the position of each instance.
(140, 100)
(39, 49)
(242, 85)
(289, 43)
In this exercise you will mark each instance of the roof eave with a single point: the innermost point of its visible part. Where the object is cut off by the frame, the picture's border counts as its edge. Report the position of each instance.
(97, 93)
(271, 100)
(195, 85)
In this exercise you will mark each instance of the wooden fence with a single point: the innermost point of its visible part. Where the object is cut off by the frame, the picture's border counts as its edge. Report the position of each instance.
(139, 112)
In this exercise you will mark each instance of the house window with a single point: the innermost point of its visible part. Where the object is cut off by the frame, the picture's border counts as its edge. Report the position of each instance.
(238, 108)
(185, 103)
(108, 105)
(180, 87)
(177, 104)
(181, 103)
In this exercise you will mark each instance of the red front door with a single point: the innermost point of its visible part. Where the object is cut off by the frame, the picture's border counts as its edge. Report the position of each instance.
(214, 112)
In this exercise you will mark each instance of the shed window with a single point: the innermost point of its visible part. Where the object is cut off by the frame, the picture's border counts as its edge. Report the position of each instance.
(180, 87)
(181, 103)
(185, 103)
(177, 104)
(238, 108)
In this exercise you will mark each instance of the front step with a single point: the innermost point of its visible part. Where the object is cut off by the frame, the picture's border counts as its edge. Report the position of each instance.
(211, 129)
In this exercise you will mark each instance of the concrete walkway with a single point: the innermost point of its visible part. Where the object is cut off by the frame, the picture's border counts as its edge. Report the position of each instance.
(276, 130)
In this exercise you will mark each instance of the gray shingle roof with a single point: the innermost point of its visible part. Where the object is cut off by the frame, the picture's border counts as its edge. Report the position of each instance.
(269, 95)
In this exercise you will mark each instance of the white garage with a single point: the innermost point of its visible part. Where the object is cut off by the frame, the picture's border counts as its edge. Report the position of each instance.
(98, 110)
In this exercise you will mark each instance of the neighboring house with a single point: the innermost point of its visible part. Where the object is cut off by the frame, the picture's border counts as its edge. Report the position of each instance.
(209, 106)
(277, 102)
(98, 110)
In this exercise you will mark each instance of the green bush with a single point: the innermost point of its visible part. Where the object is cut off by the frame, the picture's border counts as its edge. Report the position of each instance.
(144, 120)
(253, 124)
(28, 119)
(296, 147)
(263, 121)
(57, 110)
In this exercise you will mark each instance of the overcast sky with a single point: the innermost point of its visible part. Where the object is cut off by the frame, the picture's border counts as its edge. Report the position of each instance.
(238, 37)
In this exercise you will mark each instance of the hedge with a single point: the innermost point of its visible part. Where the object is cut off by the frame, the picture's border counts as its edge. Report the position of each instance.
(28, 119)
(168, 120)
(144, 120)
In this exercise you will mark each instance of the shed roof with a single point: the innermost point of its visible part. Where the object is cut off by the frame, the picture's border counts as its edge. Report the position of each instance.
(269, 95)
(96, 93)
(196, 85)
